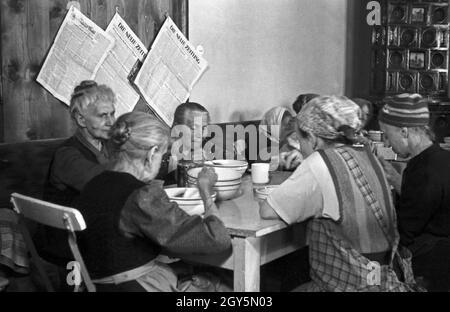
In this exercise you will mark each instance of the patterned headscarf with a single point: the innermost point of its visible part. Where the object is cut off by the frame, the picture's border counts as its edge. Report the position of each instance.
(273, 117)
(325, 115)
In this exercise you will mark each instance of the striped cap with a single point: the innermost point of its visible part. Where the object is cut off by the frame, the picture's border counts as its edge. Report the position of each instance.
(405, 110)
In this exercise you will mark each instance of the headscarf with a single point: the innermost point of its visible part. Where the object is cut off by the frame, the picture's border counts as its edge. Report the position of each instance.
(272, 117)
(326, 116)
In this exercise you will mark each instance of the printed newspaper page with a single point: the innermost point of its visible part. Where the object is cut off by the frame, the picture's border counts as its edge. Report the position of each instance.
(114, 71)
(170, 71)
(76, 55)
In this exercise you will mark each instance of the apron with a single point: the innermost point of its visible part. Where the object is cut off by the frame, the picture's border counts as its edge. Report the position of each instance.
(336, 265)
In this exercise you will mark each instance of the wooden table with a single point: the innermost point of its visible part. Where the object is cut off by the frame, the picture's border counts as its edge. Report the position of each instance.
(255, 241)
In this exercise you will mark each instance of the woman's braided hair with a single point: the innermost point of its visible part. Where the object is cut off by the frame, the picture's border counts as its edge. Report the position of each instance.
(135, 133)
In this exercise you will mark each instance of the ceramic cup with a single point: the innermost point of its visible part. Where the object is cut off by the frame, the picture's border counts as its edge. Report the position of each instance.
(376, 136)
(260, 173)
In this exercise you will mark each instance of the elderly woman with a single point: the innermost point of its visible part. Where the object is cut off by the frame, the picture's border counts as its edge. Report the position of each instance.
(342, 190)
(78, 159)
(130, 219)
(423, 206)
(277, 125)
(83, 155)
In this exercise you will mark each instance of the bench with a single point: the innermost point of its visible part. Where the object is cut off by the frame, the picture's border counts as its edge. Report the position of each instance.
(24, 167)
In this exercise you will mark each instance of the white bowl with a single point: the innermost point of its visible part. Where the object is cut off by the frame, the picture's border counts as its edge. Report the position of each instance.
(224, 192)
(223, 174)
(261, 193)
(239, 165)
(192, 210)
(445, 146)
(193, 204)
(228, 192)
(227, 187)
(193, 181)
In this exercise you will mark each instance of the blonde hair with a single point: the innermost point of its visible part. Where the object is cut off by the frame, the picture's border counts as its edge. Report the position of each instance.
(134, 134)
(89, 92)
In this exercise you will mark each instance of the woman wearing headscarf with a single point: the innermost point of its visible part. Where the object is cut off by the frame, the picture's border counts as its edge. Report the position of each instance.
(277, 125)
(130, 219)
(343, 192)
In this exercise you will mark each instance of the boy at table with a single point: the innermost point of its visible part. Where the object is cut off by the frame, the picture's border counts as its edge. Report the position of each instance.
(195, 117)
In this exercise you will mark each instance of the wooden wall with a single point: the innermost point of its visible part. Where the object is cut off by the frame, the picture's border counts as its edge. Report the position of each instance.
(28, 28)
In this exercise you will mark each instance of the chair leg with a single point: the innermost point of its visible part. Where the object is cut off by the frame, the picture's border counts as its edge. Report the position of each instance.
(34, 255)
(84, 273)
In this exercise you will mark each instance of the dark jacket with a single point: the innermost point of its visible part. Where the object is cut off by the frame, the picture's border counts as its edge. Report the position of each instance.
(74, 163)
(424, 206)
(129, 222)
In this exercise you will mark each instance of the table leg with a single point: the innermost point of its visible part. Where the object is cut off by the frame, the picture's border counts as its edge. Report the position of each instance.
(247, 264)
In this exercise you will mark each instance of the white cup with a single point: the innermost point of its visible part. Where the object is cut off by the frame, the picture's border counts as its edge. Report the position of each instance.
(260, 173)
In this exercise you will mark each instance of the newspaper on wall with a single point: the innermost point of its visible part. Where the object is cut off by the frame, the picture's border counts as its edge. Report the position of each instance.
(170, 71)
(79, 49)
(114, 71)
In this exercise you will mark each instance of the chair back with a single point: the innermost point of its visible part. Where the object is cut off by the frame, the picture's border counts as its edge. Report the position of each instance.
(56, 216)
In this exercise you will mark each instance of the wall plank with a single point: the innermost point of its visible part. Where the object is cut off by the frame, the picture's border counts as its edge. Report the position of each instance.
(28, 28)
(179, 15)
(128, 10)
(37, 43)
(14, 61)
(2, 135)
(148, 21)
(96, 11)
(60, 118)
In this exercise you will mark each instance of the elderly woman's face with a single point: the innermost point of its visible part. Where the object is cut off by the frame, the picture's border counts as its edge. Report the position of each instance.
(394, 137)
(98, 119)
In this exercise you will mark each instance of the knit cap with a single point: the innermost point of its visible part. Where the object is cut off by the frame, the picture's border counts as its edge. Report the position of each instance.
(405, 110)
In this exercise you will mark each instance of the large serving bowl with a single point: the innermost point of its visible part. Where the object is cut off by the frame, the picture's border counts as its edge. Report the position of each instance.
(188, 199)
(223, 192)
(223, 174)
(238, 165)
(228, 181)
(227, 192)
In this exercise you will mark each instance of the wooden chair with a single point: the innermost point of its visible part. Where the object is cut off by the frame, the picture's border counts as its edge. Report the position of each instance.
(55, 216)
